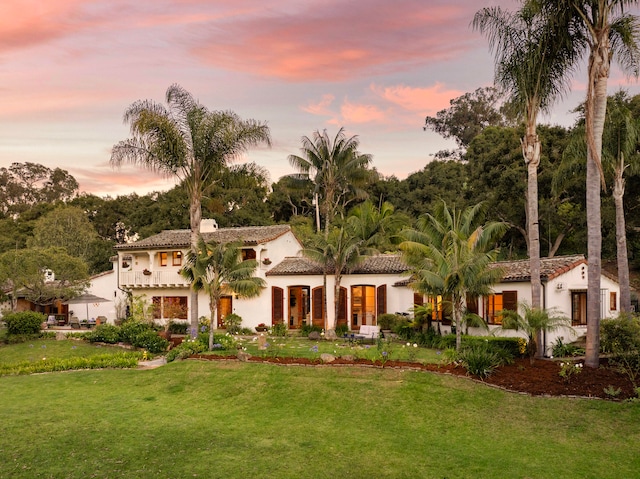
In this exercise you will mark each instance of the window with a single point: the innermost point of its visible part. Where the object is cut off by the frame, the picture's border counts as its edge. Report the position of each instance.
(248, 254)
(613, 301)
(163, 258)
(578, 308)
(170, 307)
(496, 303)
(177, 258)
(363, 305)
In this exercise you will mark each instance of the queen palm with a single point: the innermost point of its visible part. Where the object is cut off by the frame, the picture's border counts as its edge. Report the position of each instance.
(218, 270)
(338, 171)
(188, 141)
(620, 139)
(531, 65)
(605, 30)
(449, 254)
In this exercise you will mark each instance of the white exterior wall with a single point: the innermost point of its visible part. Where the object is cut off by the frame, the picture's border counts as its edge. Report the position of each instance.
(556, 295)
(104, 285)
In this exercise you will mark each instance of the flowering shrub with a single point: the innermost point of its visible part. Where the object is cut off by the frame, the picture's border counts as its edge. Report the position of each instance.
(185, 349)
(569, 369)
(279, 330)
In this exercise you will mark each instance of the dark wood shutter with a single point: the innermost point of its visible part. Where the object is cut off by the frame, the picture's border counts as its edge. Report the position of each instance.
(277, 305)
(342, 305)
(381, 300)
(510, 300)
(418, 299)
(472, 304)
(317, 298)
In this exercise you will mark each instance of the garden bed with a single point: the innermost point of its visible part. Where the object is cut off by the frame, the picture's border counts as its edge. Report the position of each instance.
(541, 378)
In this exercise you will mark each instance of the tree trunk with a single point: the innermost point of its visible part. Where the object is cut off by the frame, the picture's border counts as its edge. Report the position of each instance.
(531, 152)
(621, 240)
(195, 216)
(457, 319)
(595, 111)
(212, 307)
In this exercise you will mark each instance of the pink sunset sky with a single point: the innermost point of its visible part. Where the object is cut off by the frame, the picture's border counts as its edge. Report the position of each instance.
(70, 68)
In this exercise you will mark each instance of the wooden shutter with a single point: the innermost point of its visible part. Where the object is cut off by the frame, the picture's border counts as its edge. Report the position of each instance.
(317, 298)
(418, 299)
(381, 300)
(277, 305)
(472, 304)
(342, 305)
(510, 300)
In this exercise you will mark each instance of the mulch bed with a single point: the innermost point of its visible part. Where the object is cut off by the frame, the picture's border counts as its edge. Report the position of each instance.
(538, 379)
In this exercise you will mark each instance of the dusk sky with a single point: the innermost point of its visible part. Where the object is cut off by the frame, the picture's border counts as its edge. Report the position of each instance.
(70, 68)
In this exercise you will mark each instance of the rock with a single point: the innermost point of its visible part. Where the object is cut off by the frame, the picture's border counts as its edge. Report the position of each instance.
(327, 358)
(244, 356)
(330, 335)
(348, 357)
(314, 335)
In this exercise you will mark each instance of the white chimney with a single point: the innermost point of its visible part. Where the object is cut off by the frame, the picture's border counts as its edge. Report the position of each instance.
(208, 225)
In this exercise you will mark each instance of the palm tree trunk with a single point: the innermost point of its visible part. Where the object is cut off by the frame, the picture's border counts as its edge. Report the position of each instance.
(531, 152)
(596, 106)
(457, 318)
(621, 241)
(212, 307)
(195, 217)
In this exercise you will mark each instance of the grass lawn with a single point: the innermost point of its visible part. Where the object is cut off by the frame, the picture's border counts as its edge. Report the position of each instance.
(216, 419)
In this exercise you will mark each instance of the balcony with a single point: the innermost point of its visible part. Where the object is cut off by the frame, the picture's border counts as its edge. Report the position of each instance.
(156, 279)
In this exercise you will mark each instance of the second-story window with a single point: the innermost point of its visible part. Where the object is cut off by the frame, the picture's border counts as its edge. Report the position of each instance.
(163, 258)
(248, 254)
(177, 258)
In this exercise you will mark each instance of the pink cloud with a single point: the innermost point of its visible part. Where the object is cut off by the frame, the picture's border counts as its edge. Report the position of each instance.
(321, 107)
(323, 42)
(424, 100)
(361, 113)
(103, 180)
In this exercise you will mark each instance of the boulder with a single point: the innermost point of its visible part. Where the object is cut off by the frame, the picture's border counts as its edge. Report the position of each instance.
(327, 358)
(243, 356)
(314, 335)
(330, 335)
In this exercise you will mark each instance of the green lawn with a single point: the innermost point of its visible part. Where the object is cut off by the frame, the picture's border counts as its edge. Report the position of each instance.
(215, 419)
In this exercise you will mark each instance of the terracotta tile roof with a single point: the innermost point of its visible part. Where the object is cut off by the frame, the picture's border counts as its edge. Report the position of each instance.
(250, 235)
(378, 264)
(549, 267)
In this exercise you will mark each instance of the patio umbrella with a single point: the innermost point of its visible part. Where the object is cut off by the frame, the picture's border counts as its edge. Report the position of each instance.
(87, 299)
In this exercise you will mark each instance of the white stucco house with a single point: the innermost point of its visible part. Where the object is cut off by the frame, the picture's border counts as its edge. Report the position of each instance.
(295, 289)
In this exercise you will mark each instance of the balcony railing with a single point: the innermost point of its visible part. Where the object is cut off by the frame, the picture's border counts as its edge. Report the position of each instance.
(157, 279)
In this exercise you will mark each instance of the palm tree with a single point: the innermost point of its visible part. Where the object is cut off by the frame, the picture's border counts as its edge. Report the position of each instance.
(605, 30)
(187, 141)
(449, 254)
(620, 139)
(378, 227)
(338, 171)
(218, 270)
(531, 67)
(533, 322)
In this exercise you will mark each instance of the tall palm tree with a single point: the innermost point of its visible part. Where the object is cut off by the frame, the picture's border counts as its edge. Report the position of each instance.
(218, 270)
(337, 169)
(605, 29)
(620, 139)
(449, 254)
(531, 66)
(188, 141)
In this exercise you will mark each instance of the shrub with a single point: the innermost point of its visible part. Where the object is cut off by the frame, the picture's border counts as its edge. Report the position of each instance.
(479, 359)
(151, 341)
(341, 330)
(279, 329)
(232, 322)
(562, 350)
(186, 348)
(308, 328)
(620, 335)
(104, 333)
(387, 320)
(23, 322)
(226, 341)
(131, 328)
(176, 327)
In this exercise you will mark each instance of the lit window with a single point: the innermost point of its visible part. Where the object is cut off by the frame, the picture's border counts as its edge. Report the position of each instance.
(163, 258)
(613, 301)
(177, 258)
